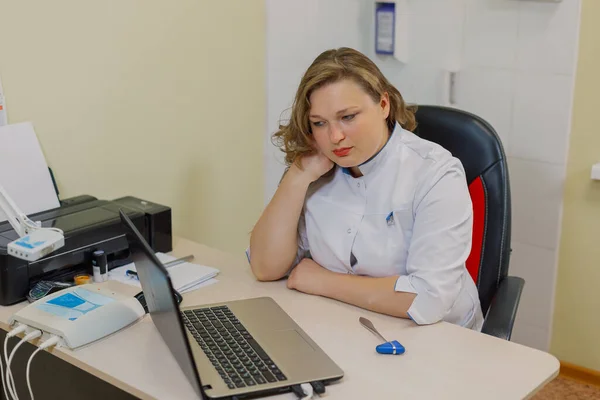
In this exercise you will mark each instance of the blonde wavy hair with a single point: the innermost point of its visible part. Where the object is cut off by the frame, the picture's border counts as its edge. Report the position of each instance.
(331, 66)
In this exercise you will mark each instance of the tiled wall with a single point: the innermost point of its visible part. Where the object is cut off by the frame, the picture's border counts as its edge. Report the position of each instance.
(525, 90)
(515, 63)
(297, 31)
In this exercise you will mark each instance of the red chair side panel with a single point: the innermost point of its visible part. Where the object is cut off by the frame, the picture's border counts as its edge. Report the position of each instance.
(478, 198)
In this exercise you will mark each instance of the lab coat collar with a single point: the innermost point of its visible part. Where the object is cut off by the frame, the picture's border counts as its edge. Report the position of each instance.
(372, 163)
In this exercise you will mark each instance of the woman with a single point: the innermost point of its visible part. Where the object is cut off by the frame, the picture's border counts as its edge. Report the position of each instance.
(367, 212)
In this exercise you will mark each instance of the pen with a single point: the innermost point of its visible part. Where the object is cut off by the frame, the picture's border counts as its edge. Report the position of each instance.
(131, 273)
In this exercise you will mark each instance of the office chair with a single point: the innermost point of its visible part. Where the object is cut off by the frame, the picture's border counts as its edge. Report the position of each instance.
(475, 143)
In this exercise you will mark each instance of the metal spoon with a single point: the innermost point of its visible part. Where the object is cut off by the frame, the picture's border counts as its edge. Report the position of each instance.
(369, 326)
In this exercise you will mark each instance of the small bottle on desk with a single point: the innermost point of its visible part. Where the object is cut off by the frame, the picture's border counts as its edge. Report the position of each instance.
(100, 266)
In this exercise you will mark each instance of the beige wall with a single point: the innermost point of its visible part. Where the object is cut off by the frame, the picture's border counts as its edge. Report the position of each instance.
(576, 333)
(163, 100)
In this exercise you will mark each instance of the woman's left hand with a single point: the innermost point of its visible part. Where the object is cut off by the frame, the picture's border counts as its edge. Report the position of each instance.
(308, 277)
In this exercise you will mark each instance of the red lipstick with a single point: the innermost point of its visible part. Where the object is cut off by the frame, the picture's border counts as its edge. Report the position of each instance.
(343, 152)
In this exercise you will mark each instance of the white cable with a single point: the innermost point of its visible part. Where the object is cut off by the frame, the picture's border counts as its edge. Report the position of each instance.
(27, 371)
(9, 378)
(33, 226)
(308, 390)
(19, 329)
(49, 342)
(5, 383)
(12, 390)
(2, 373)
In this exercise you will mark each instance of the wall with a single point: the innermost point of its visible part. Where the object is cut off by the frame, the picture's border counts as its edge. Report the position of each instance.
(162, 100)
(297, 31)
(576, 322)
(515, 67)
(519, 61)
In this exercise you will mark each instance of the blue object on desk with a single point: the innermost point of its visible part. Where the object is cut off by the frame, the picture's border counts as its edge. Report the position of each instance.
(389, 347)
(393, 347)
(131, 273)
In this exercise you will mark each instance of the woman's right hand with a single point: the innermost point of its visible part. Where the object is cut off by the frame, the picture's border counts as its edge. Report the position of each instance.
(274, 239)
(315, 165)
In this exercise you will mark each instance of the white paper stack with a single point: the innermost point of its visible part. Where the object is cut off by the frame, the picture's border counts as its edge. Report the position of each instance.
(185, 276)
(24, 173)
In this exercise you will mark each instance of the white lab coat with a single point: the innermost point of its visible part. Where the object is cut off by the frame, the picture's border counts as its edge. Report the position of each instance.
(410, 214)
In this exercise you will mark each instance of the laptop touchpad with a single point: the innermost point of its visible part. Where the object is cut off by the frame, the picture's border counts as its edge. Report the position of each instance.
(288, 341)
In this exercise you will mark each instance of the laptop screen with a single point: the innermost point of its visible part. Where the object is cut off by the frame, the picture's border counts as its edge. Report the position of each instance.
(160, 298)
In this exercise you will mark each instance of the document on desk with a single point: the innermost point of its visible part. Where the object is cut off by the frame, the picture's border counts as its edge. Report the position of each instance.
(23, 170)
(185, 276)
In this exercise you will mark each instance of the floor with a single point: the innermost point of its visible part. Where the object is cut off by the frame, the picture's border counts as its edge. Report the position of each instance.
(568, 389)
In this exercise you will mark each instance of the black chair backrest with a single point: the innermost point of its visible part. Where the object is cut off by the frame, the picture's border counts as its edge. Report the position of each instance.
(475, 143)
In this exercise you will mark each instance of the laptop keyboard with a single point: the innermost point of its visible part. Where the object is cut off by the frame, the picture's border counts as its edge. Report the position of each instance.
(236, 355)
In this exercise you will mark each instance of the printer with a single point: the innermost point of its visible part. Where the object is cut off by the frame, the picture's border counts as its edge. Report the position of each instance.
(88, 224)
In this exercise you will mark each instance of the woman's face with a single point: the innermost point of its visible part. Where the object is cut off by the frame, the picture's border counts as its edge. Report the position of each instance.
(347, 125)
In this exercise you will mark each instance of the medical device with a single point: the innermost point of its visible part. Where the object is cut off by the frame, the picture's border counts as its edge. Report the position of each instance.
(34, 240)
(80, 315)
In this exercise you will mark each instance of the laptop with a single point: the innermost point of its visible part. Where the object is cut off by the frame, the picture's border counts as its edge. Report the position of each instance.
(236, 349)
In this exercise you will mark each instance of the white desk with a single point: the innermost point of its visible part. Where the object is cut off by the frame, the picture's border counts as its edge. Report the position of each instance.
(442, 361)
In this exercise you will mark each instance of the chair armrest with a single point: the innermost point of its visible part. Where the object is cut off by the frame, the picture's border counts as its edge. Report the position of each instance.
(501, 315)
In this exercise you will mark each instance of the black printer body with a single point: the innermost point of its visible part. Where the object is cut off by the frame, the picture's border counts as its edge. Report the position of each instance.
(88, 224)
